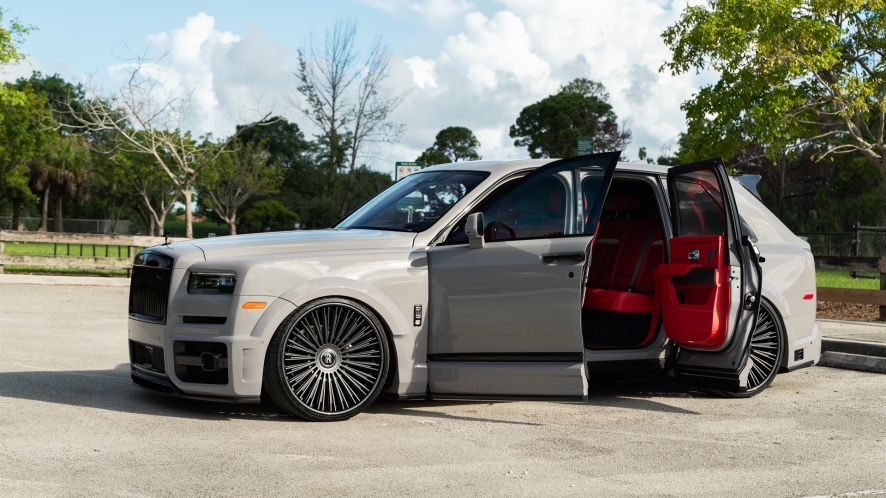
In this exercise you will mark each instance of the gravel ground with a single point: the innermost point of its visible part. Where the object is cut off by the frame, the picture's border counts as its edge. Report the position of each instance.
(72, 424)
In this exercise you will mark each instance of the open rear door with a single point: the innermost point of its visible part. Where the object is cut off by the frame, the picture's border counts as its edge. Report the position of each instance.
(710, 288)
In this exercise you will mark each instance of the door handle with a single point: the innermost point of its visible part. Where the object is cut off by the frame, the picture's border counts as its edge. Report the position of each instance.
(565, 256)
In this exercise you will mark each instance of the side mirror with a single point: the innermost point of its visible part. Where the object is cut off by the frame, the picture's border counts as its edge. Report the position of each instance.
(474, 229)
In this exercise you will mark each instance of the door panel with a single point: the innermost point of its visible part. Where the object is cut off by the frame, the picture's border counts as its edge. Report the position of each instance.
(517, 301)
(694, 290)
(710, 290)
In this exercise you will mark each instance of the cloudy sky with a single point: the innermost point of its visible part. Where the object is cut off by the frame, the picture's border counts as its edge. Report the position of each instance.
(473, 63)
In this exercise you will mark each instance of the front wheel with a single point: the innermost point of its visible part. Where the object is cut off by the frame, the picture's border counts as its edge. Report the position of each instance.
(327, 361)
(767, 347)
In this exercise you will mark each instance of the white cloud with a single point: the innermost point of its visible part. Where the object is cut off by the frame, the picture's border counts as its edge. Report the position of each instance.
(228, 77)
(496, 65)
(423, 73)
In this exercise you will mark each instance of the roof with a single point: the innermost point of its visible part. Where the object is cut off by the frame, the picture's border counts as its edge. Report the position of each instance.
(510, 165)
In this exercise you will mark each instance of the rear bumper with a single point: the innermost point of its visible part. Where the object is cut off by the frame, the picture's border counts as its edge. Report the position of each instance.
(804, 352)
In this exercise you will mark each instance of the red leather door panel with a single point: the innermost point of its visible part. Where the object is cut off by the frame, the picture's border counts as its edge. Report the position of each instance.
(694, 292)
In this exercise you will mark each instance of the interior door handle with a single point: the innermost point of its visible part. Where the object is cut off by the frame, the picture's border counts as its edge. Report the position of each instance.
(566, 256)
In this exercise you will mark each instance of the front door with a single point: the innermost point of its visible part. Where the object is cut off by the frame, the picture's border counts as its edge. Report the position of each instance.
(710, 288)
(505, 319)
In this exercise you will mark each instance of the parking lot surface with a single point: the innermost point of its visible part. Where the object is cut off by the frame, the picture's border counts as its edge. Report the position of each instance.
(73, 424)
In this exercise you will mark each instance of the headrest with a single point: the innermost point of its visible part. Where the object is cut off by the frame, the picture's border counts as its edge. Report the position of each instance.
(621, 203)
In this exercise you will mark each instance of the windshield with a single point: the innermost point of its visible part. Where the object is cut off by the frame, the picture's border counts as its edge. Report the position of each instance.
(414, 203)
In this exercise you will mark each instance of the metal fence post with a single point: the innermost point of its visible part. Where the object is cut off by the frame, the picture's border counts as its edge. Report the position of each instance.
(882, 267)
(856, 245)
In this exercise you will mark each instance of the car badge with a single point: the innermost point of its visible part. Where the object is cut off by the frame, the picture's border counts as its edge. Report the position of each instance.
(693, 255)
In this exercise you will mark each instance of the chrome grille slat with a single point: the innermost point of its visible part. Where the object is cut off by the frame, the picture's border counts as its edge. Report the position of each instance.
(149, 292)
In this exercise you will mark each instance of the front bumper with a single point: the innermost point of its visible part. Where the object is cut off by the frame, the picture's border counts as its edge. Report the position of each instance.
(244, 344)
(162, 385)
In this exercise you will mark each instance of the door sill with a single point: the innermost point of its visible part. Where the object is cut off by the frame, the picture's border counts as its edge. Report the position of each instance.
(504, 397)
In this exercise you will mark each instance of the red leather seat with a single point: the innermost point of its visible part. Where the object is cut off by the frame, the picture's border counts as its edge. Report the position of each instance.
(617, 249)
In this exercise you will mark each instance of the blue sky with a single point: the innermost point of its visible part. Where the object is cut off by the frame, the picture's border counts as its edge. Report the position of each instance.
(464, 62)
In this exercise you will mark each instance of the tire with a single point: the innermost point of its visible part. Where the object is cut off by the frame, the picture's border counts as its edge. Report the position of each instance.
(327, 361)
(767, 349)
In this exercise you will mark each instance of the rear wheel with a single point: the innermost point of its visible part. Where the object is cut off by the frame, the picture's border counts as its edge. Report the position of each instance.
(767, 346)
(327, 361)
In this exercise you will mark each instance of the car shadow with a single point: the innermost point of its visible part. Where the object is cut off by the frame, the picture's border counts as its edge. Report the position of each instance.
(113, 390)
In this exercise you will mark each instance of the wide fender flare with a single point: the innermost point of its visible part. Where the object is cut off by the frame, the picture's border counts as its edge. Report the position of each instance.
(391, 315)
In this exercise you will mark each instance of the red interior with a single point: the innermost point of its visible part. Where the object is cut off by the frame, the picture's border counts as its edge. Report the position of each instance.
(616, 251)
(694, 293)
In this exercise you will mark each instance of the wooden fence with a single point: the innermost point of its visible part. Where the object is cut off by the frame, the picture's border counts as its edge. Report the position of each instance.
(64, 257)
(858, 296)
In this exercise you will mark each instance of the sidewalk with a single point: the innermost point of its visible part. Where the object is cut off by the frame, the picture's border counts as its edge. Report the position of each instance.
(13, 278)
(853, 331)
(853, 345)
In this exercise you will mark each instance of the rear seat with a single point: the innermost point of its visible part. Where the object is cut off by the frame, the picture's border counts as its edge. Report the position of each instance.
(617, 250)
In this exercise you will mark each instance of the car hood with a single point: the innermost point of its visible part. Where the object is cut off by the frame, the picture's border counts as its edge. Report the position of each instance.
(300, 241)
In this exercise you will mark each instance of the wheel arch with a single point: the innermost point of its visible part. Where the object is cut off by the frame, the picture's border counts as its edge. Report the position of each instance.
(398, 330)
(782, 310)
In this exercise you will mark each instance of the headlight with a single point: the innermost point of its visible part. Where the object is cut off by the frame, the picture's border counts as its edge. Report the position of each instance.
(212, 283)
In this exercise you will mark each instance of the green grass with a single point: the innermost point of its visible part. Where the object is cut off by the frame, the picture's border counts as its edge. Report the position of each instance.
(46, 249)
(841, 279)
(41, 270)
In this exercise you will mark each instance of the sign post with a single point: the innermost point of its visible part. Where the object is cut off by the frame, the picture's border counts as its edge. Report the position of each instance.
(406, 168)
(585, 145)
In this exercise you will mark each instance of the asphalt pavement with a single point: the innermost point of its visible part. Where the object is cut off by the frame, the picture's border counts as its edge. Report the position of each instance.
(73, 424)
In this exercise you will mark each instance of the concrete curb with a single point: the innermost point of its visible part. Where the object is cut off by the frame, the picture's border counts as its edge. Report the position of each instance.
(850, 361)
(12, 278)
(853, 347)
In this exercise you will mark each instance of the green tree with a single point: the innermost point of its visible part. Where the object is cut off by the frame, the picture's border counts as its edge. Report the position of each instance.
(452, 144)
(551, 127)
(791, 73)
(25, 129)
(66, 172)
(269, 213)
(236, 176)
(347, 100)
(11, 37)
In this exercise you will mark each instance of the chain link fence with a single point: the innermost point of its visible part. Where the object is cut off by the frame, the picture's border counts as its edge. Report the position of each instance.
(861, 241)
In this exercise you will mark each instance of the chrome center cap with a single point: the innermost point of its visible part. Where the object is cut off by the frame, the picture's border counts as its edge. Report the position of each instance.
(328, 358)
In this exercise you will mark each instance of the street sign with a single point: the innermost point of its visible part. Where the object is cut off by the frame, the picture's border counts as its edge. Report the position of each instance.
(406, 168)
(585, 145)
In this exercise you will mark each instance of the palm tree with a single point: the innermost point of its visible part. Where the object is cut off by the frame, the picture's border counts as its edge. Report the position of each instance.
(67, 162)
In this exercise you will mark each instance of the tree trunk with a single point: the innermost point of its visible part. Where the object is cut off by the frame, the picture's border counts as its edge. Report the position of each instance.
(44, 215)
(350, 190)
(152, 228)
(189, 216)
(233, 226)
(59, 227)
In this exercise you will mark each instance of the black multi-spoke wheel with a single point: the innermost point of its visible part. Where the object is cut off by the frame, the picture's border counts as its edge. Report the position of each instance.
(327, 361)
(765, 354)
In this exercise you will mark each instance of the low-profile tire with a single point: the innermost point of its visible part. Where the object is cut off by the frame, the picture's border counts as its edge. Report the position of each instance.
(767, 348)
(327, 361)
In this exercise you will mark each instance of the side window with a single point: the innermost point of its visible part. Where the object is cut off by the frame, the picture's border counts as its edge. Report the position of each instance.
(700, 206)
(535, 208)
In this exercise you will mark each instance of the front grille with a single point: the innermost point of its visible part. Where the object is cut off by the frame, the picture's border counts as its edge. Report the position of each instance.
(149, 293)
(147, 357)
